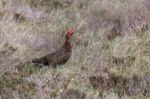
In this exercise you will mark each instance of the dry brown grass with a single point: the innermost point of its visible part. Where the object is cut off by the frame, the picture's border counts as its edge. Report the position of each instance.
(112, 34)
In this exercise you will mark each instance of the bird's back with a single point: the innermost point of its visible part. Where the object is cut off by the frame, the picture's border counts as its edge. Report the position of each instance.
(59, 57)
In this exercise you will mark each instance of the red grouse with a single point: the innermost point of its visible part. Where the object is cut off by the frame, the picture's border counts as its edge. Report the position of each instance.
(60, 56)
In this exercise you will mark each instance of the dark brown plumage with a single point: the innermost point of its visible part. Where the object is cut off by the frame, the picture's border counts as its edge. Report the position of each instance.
(60, 56)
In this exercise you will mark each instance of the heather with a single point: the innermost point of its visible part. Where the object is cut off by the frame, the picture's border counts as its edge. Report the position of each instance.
(110, 57)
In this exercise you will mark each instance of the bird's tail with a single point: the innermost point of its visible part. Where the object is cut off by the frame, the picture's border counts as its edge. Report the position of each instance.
(37, 61)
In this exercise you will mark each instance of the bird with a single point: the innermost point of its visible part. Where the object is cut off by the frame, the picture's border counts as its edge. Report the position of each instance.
(58, 57)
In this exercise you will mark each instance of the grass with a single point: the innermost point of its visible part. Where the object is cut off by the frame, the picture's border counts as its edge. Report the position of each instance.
(110, 57)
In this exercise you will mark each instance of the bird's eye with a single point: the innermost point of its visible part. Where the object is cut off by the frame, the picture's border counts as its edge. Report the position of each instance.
(69, 33)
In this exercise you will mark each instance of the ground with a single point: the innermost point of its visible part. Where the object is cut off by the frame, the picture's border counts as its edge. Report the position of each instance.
(110, 57)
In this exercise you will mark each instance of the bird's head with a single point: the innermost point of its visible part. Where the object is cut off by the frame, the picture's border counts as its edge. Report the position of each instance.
(69, 33)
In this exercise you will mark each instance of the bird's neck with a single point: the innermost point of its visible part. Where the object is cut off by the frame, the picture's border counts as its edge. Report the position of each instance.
(67, 43)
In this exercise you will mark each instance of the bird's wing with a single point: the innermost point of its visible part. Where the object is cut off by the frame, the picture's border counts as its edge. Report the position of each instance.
(58, 57)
